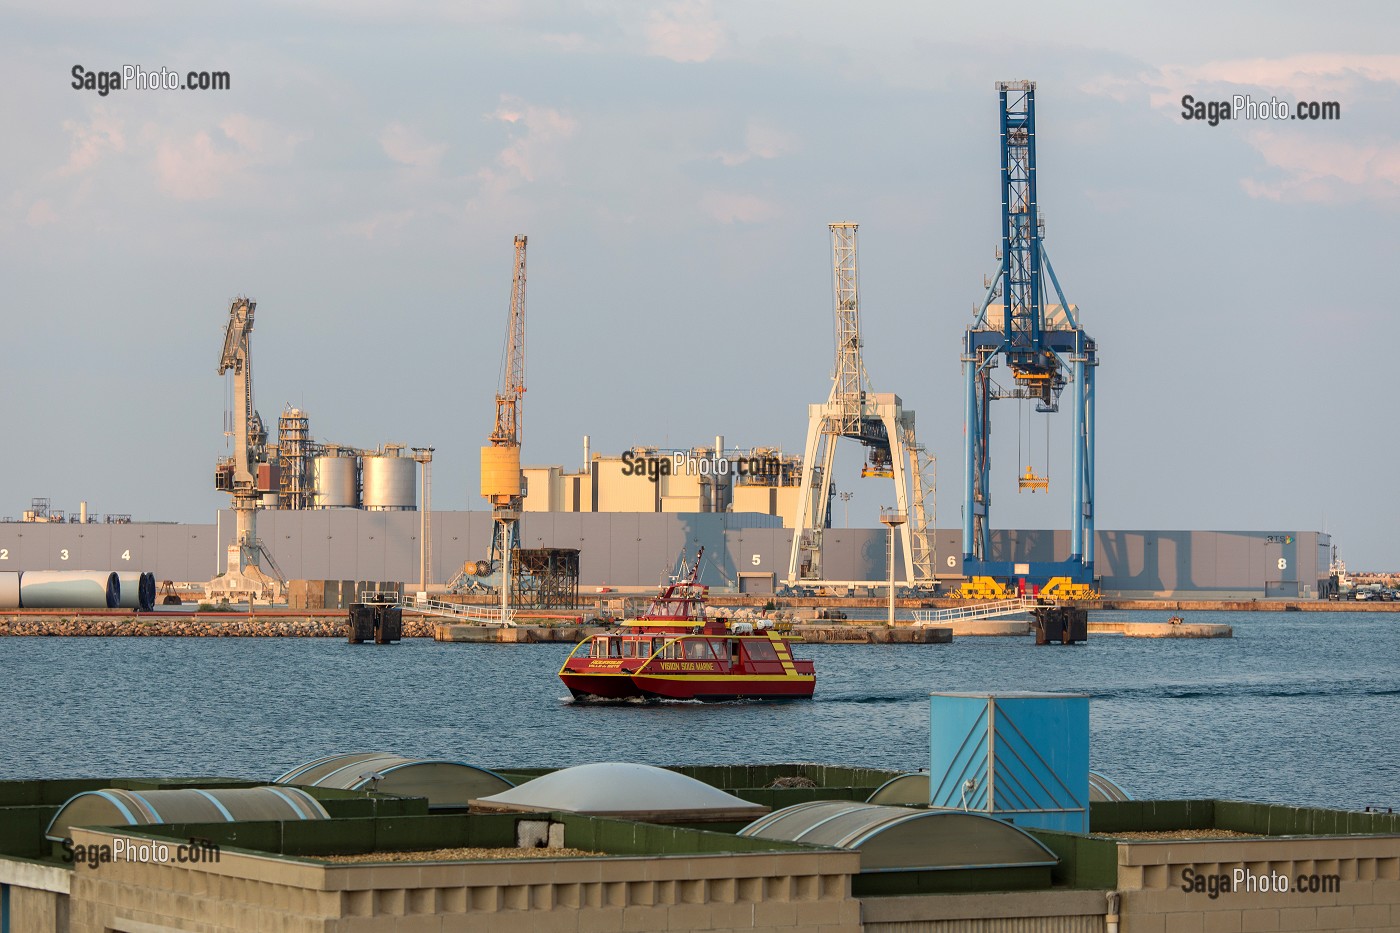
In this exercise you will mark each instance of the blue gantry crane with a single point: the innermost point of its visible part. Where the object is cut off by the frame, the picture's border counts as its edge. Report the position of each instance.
(1046, 350)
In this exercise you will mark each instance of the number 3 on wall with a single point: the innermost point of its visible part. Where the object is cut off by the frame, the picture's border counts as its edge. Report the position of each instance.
(63, 554)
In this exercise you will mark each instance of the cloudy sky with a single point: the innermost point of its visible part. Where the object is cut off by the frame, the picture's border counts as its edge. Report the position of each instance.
(675, 165)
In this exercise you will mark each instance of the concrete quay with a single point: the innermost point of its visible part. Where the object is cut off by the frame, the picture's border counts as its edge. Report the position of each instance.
(127, 623)
(1163, 629)
(514, 635)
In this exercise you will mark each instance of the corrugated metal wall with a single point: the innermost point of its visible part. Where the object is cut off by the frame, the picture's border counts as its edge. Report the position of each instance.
(634, 549)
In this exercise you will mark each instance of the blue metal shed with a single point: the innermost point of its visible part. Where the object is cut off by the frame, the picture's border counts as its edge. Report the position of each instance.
(1019, 757)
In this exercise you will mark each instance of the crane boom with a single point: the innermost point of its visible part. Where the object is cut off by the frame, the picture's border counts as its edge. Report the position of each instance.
(508, 421)
(240, 474)
(237, 356)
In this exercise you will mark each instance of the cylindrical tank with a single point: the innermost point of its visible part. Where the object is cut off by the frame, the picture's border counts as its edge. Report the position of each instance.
(9, 589)
(500, 471)
(337, 482)
(69, 589)
(389, 483)
(270, 500)
(138, 590)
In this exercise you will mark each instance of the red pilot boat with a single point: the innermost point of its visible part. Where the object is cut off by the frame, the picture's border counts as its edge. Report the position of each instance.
(676, 652)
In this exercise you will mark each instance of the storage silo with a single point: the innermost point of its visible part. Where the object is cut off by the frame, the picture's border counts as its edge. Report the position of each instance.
(337, 478)
(389, 482)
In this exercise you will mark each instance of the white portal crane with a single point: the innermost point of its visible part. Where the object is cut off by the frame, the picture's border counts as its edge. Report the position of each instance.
(879, 422)
(239, 474)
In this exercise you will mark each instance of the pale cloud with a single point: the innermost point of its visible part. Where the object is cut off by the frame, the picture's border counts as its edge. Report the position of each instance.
(205, 165)
(569, 41)
(536, 137)
(731, 208)
(684, 31)
(381, 224)
(407, 147)
(1293, 77)
(761, 141)
(100, 136)
(1332, 162)
(1325, 170)
(40, 214)
(1306, 77)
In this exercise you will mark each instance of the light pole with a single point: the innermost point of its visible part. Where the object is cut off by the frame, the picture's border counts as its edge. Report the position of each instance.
(893, 520)
(846, 498)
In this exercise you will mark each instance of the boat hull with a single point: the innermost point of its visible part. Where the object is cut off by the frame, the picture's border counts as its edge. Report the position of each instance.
(722, 688)
(707, 689)
(603, 686)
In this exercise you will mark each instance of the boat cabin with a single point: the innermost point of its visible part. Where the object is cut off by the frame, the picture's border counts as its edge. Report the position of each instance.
(727, 650)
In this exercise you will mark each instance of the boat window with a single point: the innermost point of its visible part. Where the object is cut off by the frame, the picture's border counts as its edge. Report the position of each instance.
(760, 649)
(627, 647)
(698, 649)
(599, 648)
(657, 644)
(614, 647)
(721, 649)
(672, 651)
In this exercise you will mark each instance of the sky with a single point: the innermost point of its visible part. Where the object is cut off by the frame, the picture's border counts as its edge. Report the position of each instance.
(675, 165)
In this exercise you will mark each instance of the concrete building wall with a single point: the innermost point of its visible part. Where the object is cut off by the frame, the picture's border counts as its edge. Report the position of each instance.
(1365, 894)
(721, 892)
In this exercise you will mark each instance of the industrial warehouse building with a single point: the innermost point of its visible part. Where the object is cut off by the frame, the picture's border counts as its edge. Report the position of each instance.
(333, 864)
(743, 550)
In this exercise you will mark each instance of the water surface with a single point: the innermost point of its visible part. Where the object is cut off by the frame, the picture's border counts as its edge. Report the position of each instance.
(1298, 707)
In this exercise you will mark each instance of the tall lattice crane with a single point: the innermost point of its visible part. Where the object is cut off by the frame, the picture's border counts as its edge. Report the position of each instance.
(1045, 348)
(501, 479)
(245, 475)
(877, 421)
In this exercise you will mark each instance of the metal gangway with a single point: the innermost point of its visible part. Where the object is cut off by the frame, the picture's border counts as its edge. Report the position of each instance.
(470, 615)
(1002, 607)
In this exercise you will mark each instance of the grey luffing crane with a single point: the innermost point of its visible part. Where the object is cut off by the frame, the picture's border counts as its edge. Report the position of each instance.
(240, 474)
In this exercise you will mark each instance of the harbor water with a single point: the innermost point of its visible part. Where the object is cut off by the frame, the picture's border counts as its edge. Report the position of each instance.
(1299, 708)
